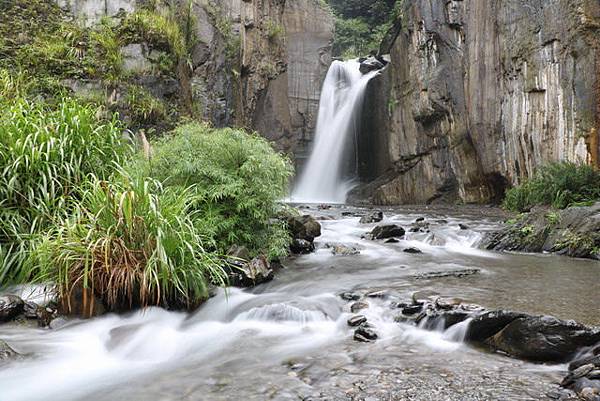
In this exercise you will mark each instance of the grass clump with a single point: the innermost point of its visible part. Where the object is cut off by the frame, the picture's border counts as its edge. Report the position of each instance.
(132, 243)
(238, 179)
(559, 185)
(46, 154)
(143, 107)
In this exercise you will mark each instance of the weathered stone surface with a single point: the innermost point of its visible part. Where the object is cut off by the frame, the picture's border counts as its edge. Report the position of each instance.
(490, 323)
(373, 217)
(255, 272)
(544, 338)
(6, 352)
(477, 96)
(387, 231)
(356, 320)
(11, 306)
(573, 232)
(301, 246)
(304, 227)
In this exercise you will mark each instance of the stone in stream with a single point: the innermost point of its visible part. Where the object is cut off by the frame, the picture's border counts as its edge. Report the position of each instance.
(412, 250)
(544, 338)
(342, 250)
(304, 227)
(373, 217)
(6, 352)
(412, 309)
(365, 333)
(11, 306)
(450, 273)
(357, 320)
(357, 306)
(391, 241)
(590, 394)
(577, 374)
(301, 246)
(463, 226)
(30, 310)
(594, 360)
(350, 296)
(255, 272)
(387, 231)
(489, 323)
(377, 294)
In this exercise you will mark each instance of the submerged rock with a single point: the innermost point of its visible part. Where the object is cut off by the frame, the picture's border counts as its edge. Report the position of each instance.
(450, 273)
(364, 333)
(342, 250)
(412, 250)
(387, 231)
(11, 306)
(373, 217)
(6, 352)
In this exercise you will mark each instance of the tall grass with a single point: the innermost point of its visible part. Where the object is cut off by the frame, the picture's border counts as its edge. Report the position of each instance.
(133, 244)
(45, 155)
(238, 179)
(559, 185)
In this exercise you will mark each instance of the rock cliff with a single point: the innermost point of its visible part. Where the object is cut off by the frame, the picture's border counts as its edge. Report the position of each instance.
(478, 95)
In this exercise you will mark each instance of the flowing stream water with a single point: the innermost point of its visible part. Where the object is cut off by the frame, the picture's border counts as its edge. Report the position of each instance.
(324, 178)
(288, 339)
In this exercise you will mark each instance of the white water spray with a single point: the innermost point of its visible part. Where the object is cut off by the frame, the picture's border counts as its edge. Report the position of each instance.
(342, 95)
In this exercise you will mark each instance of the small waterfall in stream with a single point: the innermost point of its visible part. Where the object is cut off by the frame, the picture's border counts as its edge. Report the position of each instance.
(324, 178)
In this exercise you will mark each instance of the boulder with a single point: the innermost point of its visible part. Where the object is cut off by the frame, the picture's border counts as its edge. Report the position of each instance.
(544, 338)
(357, 306)
(370, 64)
(387, 231)
(11, 306)
(490, 323)
(350, 296)
(255, 272)
(373, 217)
(303, 227)
(301, 246)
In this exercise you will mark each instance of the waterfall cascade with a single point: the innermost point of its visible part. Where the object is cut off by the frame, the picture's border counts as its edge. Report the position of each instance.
(326, 177)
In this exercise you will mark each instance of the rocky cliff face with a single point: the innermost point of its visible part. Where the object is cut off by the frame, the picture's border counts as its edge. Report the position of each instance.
(478, 95)
(257, 64)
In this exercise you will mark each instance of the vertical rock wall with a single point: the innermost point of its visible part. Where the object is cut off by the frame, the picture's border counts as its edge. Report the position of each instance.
(481, 93)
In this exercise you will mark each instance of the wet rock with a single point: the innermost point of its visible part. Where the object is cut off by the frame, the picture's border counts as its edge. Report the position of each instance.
(343, 250)
(584, 383)
(350, 296)
(594, 374)
(490, 323)
(577, 374)
(358, 306)
(412, 309)
(304, 227)
(365, 334)
(255, 272)
(593, 359)
(412, 250)
(373, 217)
(419, 227)
(11, 306)
(544, 338)
(45, 316)
(450, 273)
(301, 247)
(239, 252)
(590, 394)
(391, 241)
(324, 206)
(355, 321)
(370, 64)
(596, 350)
(387, 231)
(463, 226)
(30, 310)
(6, 352)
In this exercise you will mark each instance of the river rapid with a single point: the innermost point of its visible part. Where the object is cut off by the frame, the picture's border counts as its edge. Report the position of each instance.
(289, 340)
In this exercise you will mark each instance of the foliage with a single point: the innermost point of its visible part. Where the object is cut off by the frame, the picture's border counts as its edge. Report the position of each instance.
(559, 185)
(361, 25)
(133, 244)
(143, 107)
(275, 31)
(238, 178)
(45, 155)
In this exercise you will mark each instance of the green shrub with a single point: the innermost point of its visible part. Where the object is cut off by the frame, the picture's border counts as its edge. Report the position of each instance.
(161, 31)
(559, 185)
(133, 244)
(238, 178)
(45, 155)
(143, 107)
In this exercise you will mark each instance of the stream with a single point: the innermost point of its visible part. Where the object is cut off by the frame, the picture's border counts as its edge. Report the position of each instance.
(289, 340)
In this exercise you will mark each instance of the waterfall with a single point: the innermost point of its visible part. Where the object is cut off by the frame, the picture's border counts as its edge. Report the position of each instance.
(326, 177)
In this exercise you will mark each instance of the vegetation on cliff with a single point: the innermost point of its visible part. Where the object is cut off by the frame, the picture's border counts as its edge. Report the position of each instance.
(559, 185)
(361, 25)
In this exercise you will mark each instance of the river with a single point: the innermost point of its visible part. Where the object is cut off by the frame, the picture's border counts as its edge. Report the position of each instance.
(288, 339)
